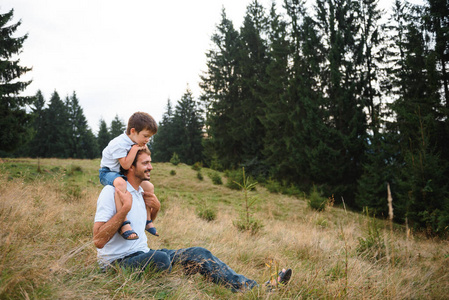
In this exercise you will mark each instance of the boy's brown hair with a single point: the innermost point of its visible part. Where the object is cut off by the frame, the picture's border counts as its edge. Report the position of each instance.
(141, 121)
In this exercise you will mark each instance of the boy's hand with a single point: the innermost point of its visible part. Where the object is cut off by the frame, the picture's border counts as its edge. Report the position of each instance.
(140, 147)
(126, 198)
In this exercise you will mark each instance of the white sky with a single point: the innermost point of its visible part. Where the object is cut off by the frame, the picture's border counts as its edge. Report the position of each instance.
(119, 56)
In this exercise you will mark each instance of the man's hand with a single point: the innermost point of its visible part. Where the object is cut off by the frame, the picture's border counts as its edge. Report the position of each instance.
(126, 198)
(151, 201)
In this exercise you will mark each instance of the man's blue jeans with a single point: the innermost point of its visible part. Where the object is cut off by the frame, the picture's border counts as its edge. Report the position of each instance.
(194, 260)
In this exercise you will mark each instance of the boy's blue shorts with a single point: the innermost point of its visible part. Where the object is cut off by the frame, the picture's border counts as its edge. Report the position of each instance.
(107, 176)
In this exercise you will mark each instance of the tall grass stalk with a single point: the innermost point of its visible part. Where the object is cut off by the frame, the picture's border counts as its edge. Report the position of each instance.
(390, 218)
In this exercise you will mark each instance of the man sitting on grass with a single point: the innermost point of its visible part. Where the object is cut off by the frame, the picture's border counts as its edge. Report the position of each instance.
(135, 254)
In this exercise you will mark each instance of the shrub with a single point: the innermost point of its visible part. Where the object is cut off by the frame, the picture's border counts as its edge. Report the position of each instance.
(175, 159)
(252, 225)
(207, 213)
(216, 178)
(316, 201)
(292, 190)
(74, 169)
(73, 192)
(197, 166)
(172, 172)
(215, 164)
(234, 179)
(372, 245)
(273, 186)
(199, 175)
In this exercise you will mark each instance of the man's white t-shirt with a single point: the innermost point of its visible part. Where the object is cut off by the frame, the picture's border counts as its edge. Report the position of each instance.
(118, 247)
(117, 148)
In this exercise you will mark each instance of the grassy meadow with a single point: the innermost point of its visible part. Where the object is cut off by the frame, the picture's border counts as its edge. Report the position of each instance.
(46, 249)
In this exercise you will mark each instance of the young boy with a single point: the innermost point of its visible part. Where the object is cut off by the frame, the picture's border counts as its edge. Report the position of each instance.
(120, 152)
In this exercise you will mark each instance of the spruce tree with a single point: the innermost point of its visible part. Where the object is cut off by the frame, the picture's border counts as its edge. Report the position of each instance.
(187, 129)
(164, 142)
(103, 136)
(274, 98)
(221, 97)
(436, 17)
(117, 127)
(378, 169)
(372, 38)
(82, 142)
(57, 126)
(304, 111)
(252, 66)
(13, 115)
(341, 80)
(421, 173)
(36, 147)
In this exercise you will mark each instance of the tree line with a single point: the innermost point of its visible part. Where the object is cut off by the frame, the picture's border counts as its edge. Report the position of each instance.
(60, 130)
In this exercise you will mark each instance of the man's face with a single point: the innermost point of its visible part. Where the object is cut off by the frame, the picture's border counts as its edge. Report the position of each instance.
(143, 167)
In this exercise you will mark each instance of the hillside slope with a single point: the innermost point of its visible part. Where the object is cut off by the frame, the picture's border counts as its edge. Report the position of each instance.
(46, 250)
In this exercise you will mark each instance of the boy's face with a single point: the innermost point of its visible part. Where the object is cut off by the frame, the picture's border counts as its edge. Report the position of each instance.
(141, 138)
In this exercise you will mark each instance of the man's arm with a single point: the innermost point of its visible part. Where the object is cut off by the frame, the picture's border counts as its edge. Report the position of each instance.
(104, 231)
(152, 201)
(127, 161)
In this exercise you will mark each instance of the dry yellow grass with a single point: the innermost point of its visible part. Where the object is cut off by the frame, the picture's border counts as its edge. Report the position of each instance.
(46, 250)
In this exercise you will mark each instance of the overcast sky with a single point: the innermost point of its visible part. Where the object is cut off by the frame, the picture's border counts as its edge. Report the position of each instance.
(119, 56)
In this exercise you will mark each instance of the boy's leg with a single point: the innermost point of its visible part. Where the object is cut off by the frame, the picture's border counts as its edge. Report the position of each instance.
(198, 259)
(148, 187)
(120, 183)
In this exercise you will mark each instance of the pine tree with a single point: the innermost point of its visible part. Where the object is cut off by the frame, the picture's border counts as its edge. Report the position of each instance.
(372, 38)
(422, 175)
(103, 137)
(341, 80)
(57, 142)
(36, 147)
(274, 98)
(378, 169)
(187, 129)
(164, 142)
(117, 127)
(304, 110)
(437, 19)
(82, 142)
(13, 116)
(221, 96)
(252, 66)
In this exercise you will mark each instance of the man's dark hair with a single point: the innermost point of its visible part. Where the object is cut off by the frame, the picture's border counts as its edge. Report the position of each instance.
(146, 150)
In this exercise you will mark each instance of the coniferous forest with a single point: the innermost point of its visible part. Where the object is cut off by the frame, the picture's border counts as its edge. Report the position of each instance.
(337, 96)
